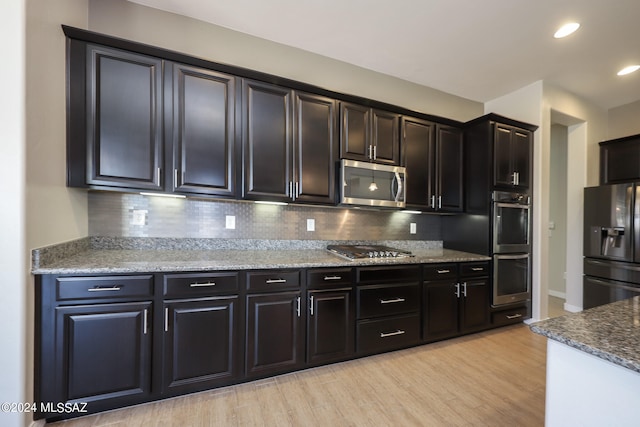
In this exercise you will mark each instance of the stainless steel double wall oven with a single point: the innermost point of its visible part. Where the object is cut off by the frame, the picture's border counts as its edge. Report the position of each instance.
(511, 216)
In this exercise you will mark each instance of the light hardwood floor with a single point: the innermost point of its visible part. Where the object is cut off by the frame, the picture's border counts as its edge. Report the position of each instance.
(493, 378)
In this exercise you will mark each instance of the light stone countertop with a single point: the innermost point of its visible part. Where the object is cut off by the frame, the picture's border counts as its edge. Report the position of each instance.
(92, 258)
(610, 332)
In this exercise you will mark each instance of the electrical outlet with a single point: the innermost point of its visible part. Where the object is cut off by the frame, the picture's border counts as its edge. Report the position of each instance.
(412, 228)
(230, 222)
(139, 217)
(311, 224)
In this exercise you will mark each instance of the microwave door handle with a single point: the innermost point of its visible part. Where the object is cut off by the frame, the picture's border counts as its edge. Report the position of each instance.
(396, 179)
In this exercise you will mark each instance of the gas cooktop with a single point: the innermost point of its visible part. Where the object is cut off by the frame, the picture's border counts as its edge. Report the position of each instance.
(353, 252)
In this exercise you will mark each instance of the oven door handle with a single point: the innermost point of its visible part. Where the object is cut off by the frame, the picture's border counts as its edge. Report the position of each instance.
(512, 205)
(521, 256)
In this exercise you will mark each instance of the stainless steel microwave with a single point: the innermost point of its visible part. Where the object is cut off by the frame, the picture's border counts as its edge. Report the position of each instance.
(372, 184)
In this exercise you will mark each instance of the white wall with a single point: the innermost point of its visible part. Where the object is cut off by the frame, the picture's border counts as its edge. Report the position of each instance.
(558, 210)
(624, 120)
(12, 218)
(139, 23)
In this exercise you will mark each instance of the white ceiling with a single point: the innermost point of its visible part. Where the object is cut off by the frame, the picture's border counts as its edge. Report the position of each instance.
(477, 49)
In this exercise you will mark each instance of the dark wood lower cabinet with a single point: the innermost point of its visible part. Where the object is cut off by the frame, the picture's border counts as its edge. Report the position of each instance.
(112, 341)
(275, 333)
(200, 344)
(103, 354)
(330, 325)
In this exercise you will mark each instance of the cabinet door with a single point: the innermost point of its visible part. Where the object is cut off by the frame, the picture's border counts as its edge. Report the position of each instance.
(200, 344)
(103, 353)
(474, 313)
(330, 325)
(418, 152)
(521, 144)
(449, 169)
(203, 131)
(386, 137)
(355, 134)
(315, 148)
(267, 141)
(440, 314)
(503, 168)
(124, 119)
(275, 336)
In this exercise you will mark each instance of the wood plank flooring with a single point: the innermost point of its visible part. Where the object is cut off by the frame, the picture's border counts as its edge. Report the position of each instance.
(493, 378)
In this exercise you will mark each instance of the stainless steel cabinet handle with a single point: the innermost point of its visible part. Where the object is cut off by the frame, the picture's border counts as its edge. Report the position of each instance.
(477, 268)
(332, 278)
(311, 305)
(291, 189)
(105, 289)
(391, 334)
(370, 156)
(166, 319)
(375, 154)
(202, 285)
(298, 308)
(513, 179)
(297, 192)
(271, 281)
(443, 271)
(159, 176)
(145, 321)
(457, 292)
(464, 289)
(515, 316)
(517, 178)
(439, 202)
(391, 301)
(433, 202)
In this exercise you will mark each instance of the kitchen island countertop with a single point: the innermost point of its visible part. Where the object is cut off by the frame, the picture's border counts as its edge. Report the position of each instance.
(610, 332)
(89, 260)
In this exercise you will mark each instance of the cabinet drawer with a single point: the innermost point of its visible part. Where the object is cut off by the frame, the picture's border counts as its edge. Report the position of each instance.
(386, 300)
(401, 273)
(388, 333)
(468, 269)
(440, 271)
(329, 277)
(199, 284)
(103, 287)
(506, 317)
(273, 280)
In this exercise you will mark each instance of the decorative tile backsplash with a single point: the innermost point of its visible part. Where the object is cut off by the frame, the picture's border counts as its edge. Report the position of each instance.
(118, 215)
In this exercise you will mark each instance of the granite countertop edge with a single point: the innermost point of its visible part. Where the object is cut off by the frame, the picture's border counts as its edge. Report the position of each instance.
(85, 256)
(610, 332)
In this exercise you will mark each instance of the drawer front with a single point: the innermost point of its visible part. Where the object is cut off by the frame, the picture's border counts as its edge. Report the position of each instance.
(273, 280)
(329, 277)
(474, 269)
(387, 300)
(387, 334)
(506, 317)
(200, 284)
(97, 287)
(440, 271)
(400, 273)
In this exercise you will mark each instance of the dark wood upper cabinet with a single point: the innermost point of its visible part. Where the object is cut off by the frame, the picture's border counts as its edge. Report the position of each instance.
(289, 144)
(512, 156)
(368, 134)
(315, 148)
(202, 122)
(123, 119)
(620, 160)
(432, 155)
(267, 141)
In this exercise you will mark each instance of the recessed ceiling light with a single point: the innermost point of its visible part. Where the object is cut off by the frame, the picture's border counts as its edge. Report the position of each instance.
(566, 29)
(628, 70)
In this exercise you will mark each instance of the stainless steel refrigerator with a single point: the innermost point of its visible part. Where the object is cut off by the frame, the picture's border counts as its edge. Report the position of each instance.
(611, 243)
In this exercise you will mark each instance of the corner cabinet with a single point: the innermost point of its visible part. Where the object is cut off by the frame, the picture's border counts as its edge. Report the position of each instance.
(369, 134)
(289, 144)
(433, 156)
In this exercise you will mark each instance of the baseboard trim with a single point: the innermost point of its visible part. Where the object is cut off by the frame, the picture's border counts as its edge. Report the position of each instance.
(558, 294)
